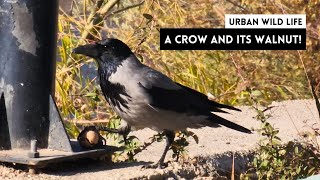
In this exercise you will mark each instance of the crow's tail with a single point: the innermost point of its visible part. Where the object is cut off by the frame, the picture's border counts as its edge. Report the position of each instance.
(229, 124)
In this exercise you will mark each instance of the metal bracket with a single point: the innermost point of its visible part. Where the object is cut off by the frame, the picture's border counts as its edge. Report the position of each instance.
(58, 138)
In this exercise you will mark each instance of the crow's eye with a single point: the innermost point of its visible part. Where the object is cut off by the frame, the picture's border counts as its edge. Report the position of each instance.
(105, 46)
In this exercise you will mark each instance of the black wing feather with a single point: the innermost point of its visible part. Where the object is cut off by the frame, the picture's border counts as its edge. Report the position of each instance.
(183, 99)
(213, 105)
(175, 100)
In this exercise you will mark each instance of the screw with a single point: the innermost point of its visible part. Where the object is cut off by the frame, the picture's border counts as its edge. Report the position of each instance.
(33, 149)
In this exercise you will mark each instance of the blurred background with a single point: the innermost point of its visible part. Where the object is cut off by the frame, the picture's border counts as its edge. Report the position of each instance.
(231, 77)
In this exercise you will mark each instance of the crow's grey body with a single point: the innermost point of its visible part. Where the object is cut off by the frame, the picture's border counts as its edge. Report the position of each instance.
(141, 113)
(144, 97)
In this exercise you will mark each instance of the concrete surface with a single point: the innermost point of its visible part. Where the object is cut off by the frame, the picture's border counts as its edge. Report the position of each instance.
(213, 153)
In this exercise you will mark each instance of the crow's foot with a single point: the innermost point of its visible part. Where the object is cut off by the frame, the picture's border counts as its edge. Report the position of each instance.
(157, 165)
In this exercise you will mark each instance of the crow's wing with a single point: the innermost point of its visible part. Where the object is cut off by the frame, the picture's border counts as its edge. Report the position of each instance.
(213, 105)
(166, 94)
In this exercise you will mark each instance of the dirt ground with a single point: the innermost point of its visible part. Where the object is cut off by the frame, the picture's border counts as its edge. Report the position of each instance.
(213, 153)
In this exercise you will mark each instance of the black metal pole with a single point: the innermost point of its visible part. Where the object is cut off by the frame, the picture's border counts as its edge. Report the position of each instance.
(27, 67)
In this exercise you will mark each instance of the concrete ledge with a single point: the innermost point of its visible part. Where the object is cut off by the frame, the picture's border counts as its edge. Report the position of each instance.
(213, 154)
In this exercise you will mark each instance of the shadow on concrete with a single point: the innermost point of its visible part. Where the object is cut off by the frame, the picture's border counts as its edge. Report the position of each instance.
(86, 166)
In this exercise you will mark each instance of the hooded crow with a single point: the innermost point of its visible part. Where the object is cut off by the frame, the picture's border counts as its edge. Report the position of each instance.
(144, 97)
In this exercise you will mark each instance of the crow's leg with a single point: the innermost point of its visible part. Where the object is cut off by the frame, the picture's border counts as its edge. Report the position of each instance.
(169, 140)
(124, 131)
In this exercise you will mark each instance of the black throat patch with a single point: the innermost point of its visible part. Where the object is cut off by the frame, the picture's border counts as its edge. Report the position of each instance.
(113, 91)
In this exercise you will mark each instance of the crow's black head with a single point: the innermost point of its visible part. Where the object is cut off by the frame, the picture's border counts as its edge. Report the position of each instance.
(105, 50)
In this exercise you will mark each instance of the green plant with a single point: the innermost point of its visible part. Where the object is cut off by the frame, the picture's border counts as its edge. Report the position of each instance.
(181, 142)
(132, 147)
(275, 159)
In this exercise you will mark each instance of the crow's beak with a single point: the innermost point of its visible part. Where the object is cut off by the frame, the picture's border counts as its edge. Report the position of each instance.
(90, 50)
